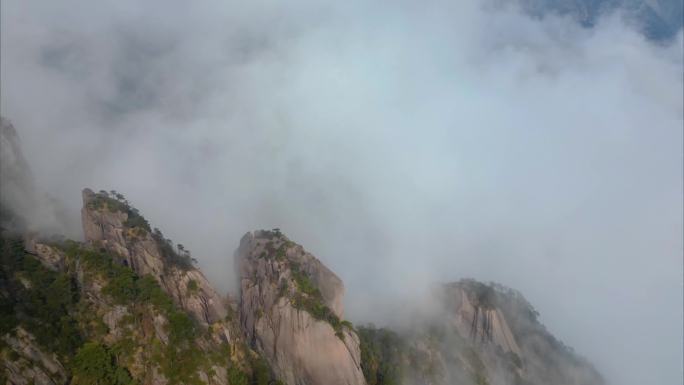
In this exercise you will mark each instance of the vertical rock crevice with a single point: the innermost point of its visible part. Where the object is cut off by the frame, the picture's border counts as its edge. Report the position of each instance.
(291, 304)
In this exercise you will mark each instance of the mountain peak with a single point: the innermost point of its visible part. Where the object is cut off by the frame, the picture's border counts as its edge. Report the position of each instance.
(291, 310)
(110, 222)
(289, 327)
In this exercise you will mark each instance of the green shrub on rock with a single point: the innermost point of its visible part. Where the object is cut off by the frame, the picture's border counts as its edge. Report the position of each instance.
(94, 364)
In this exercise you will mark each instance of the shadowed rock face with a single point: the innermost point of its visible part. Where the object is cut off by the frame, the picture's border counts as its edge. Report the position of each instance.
(187, 286)
(511, 343)
(17, 188)
(291, 306)
(478, 320)
(22, 207)
(34, 365)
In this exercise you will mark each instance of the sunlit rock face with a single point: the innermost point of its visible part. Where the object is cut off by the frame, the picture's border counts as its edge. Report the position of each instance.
(105, 225)
(291, 309)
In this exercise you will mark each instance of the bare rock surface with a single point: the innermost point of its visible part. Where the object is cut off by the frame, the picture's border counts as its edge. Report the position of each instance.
(479, 320)
(512, 345)
(108, 228)
(50, 257)
(291, 309)
(31, 365)
(286, 325)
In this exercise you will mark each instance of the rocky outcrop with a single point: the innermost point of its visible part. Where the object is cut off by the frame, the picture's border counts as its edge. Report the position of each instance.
(17, 190)
(291, 309)
(476, 318)
(142, 329)
(51, 257)
(29, 363)
(501, 327)
(476, 333)
(288, 324)
(106, 223)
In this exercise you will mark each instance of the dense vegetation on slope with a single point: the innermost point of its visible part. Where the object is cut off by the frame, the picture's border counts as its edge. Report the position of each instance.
(48, 305)
(64, 310)
(42, 301)
(96, 364)
(64, 319)
(382, 355)
(428, 354)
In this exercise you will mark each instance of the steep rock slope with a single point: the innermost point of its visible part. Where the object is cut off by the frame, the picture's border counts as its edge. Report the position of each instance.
(129, 308)
(90, 305)
(475, 317)
(482, 334)
(17, 189)
(539, 358)
(291, 309)
(74, 314)
(29, 363)
(109, 222)
(22, 206)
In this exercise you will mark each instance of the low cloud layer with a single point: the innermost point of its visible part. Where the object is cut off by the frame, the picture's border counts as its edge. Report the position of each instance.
(401, 143)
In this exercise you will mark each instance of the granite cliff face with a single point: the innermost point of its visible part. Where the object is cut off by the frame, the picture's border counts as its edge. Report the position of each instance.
(143, 303)
(107, 223)
(31, 364)
(480, 333)
(142, 328)
(476, 318)
(128, 307)
(291, 311)
(80, 315)
(128, 294)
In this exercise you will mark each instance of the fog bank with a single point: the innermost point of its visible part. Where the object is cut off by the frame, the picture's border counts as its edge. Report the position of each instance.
(402, 144)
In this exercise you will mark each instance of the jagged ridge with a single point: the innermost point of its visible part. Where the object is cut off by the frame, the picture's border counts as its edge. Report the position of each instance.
(129, 297)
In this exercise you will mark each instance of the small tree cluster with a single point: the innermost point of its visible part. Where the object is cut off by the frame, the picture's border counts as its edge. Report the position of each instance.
(114, 201)
(309, 298)
(176, 255)
(94, 364)
(40, 300)
(383, 354)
